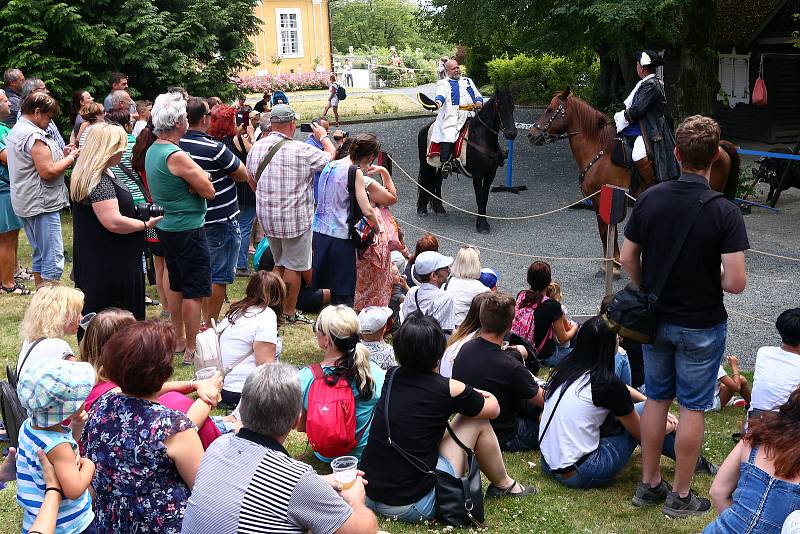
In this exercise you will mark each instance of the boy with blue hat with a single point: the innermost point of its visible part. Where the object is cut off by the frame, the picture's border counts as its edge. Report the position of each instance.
(52, 391)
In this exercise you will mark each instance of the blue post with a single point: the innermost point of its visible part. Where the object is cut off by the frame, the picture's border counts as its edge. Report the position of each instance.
(510, 173)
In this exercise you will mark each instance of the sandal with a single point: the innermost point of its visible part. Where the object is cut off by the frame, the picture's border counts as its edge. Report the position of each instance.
(23, 275)
(188, 358)
(16, 289)
(495, 491)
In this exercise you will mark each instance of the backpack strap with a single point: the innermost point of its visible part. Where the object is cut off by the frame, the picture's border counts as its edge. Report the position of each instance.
(317, 371)
(24, 359)
(271, 154)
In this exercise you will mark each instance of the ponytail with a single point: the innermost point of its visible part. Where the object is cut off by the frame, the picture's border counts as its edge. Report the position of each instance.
(354, 363)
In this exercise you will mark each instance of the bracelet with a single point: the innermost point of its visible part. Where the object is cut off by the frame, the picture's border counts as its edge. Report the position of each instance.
(58, 490)
(192, 384)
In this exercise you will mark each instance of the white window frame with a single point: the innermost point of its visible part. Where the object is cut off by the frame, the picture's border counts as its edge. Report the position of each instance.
(296, 13)
(732, 62)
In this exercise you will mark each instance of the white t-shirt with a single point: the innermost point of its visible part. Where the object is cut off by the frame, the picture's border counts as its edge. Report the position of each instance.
(51, 347)
(449, 358)
(462, 291)
(777, 374)
(720, 375)
(238, 338)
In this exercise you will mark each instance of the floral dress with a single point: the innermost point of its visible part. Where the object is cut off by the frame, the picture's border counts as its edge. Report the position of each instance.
(137, 486)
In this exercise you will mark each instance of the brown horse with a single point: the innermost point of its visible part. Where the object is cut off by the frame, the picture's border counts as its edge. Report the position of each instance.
(591, 134)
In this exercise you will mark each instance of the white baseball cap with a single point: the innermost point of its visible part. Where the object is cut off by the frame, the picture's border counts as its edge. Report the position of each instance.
(373, 318)
(430, 261)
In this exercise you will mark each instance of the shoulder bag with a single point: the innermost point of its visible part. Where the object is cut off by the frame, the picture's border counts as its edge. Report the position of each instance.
(459, 500)
(271, 154)
(632, 312)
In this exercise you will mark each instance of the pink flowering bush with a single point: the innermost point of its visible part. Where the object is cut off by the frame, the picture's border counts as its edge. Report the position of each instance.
(284, 82)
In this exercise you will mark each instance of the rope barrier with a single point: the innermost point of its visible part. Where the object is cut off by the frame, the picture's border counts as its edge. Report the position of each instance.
(509, 253)
(750, 317)
(523, 217)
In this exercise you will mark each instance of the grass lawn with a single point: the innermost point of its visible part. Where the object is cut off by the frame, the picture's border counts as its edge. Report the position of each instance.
(359, 106)
(554, 510)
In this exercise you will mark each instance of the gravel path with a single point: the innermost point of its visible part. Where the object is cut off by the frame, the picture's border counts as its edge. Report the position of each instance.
(551, 176)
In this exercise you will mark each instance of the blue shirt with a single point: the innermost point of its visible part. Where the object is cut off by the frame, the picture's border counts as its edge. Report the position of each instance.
(313, 141)
(218, 161)
(364, 408)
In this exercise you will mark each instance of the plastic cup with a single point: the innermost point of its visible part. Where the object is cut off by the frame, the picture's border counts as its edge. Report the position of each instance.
(205, 373)
(345, 470)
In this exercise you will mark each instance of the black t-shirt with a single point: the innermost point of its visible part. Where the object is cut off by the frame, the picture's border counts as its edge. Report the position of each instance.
(420, 405)
(261, 106)
(543, 317)
(484, 365)
(692, 296)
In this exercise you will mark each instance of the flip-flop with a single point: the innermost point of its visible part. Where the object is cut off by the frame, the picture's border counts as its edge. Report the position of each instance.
(16, 289)
(188, 358)
(151, 302)
(495, 491)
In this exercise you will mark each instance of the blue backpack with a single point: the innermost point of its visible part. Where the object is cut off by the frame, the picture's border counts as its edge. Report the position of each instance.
(279, 97)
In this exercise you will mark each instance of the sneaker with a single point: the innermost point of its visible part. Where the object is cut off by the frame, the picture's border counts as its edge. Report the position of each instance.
(297, 318)
(705, 466)
(678, 507)
(647, 496)
(738, 402)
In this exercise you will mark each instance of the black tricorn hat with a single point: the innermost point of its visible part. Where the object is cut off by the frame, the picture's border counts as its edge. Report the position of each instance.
(649, 58)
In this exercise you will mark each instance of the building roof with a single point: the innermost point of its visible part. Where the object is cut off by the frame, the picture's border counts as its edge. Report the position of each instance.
(740, 22)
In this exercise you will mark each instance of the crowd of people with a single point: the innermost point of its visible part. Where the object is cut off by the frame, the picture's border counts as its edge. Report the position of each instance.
(112, 444)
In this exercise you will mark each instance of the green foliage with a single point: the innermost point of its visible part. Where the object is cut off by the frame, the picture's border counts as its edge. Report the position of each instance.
(197, 44)
(535, 78)
(383, 106)
(364, 24)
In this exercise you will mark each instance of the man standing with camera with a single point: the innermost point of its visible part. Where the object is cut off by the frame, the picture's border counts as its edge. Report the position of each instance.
(222, 223)
(283, 170)
(684, 359)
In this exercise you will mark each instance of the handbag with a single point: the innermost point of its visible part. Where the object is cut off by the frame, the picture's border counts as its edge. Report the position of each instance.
(459, 500)
(760, 88)
(11, 409)
(361, 231)
(632, 313)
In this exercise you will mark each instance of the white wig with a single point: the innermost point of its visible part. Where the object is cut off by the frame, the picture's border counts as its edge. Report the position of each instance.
(169, 111)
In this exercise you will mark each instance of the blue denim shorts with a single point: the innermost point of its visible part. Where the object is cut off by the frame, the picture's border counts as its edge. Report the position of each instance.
(44, 234)
(224, 239)
(683, 363)
(422, 510)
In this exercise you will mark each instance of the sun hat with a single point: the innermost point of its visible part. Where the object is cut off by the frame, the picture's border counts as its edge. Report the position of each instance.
(489, 277)
(52, 389)
(373, 318)
(430, 261)
(281, 113)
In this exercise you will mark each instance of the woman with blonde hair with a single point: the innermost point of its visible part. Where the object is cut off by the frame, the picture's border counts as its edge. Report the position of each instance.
(464, 283)
(466, 331)
(54, 312)
(250, 331)
(108, 237)
(345, 358)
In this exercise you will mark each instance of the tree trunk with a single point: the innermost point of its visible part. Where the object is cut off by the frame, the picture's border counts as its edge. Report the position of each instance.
(610, 80)
(697, 83)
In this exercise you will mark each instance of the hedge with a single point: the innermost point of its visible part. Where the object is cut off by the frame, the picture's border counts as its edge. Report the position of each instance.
(535, 79)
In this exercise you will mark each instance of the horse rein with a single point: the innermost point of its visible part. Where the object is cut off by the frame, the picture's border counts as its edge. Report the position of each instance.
(482, 149)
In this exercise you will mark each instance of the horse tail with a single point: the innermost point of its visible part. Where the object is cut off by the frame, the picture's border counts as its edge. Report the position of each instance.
(732, 183)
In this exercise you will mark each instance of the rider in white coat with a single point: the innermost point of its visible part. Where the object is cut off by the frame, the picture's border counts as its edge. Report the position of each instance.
(457, 98)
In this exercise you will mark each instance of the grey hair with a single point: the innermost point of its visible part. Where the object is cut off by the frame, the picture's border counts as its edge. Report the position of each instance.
(271, 399)
(264, 122)
(2, 91)
(117, 97)
(11, 75)
(28, 86)
(169, 111)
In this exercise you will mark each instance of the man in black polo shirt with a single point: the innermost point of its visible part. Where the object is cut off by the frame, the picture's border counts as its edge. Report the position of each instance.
(684, 360)
(222, 225)
(482, 363)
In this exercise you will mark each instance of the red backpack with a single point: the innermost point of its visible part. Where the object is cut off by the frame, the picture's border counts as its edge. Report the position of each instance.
(523, 324)
(331, 416)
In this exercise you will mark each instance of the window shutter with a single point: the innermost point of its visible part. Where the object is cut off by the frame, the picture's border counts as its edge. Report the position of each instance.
(726, 74)
(741, 77)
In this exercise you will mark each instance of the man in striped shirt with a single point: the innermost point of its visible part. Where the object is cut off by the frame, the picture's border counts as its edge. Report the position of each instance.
(222, 224)
(248, 484)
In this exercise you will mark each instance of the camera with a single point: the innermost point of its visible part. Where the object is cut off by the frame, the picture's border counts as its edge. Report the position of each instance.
(306, 127)
(146, 210)
(338, 135)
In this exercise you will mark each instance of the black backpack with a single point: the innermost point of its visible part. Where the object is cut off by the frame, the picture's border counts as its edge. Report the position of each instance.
(341, 94)
(13, 412)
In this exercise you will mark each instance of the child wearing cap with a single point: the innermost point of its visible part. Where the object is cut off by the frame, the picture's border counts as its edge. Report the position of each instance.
(373, 322)
(51, 391)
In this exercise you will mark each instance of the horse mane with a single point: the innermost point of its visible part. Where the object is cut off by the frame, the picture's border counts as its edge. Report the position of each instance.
(591, 122)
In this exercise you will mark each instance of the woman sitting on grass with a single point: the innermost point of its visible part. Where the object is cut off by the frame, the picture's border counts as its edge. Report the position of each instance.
(758, 485)
(466, 331)
(54, 312)
(172, 395)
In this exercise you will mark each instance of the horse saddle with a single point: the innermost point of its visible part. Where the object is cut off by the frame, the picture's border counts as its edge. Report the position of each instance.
(459, 149)
(621, 153)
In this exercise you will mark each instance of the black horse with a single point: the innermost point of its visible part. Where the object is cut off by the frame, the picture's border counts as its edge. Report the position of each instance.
(483, 156)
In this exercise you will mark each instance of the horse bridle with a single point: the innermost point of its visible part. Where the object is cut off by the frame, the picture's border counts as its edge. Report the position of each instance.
(548, 137)
(499, 119)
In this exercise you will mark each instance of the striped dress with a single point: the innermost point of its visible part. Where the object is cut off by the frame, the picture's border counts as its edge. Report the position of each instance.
(74, 516)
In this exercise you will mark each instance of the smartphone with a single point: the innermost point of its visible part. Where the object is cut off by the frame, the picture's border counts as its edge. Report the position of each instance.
(242, 117)
(305, 127)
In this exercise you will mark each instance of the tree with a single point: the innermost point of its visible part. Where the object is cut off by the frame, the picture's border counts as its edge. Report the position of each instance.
(697, 84)
(198, 44)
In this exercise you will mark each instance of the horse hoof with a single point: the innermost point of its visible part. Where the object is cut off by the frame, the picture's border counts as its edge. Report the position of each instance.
(422, 212)
(483, 227)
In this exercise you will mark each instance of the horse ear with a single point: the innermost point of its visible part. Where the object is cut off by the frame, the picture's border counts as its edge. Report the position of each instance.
(564, 94)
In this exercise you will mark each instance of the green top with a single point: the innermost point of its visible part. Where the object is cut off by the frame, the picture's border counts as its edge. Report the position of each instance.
(182, 210)
(122, 176)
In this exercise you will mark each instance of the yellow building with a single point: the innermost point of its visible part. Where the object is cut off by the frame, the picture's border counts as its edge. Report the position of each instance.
(295, 37)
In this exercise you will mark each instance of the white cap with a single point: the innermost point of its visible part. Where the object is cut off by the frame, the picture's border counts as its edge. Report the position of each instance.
(373, 318)
(399, 260)
(430, 261)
